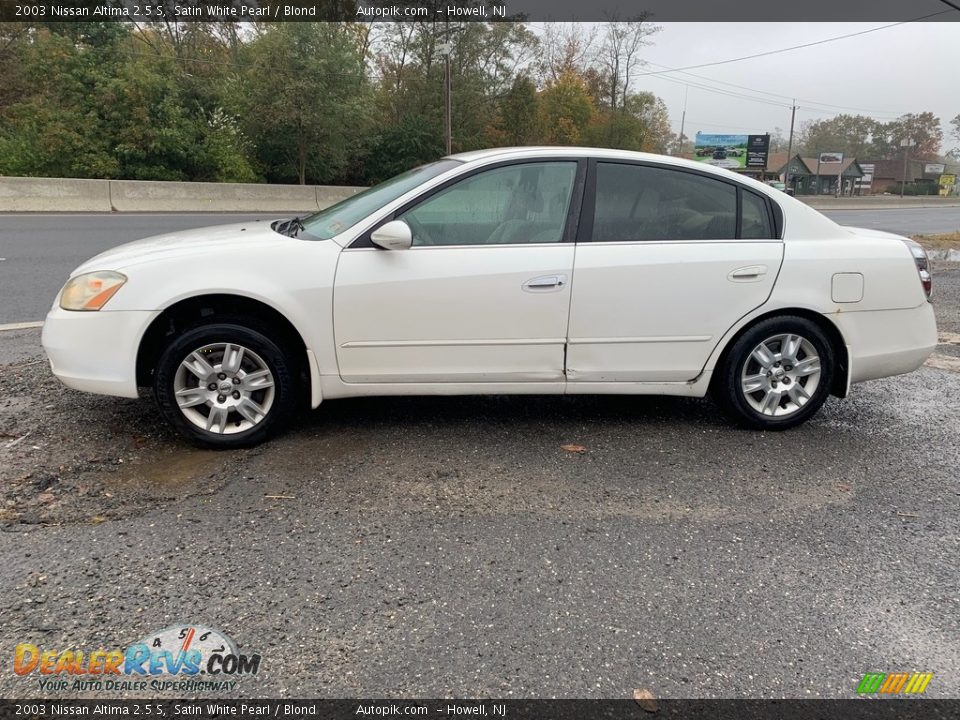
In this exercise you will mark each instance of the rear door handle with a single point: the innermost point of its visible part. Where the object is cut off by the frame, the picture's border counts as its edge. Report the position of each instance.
(747, 274)
(545, 283)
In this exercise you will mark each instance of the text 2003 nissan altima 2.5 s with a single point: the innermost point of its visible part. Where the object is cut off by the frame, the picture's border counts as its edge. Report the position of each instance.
(525, 270)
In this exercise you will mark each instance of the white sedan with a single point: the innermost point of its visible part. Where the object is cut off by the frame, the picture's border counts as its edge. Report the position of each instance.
(524, 270)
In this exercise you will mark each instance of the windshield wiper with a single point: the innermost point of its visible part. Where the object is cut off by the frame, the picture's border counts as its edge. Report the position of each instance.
(297, 224)
(290, 227)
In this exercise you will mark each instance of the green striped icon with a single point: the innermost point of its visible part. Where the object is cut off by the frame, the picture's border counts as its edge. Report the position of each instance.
(894, 683)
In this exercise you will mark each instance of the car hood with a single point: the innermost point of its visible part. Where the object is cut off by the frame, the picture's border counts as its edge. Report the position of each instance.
(188, 243)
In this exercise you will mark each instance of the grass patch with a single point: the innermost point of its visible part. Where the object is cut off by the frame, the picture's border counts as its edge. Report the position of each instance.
(947, 241)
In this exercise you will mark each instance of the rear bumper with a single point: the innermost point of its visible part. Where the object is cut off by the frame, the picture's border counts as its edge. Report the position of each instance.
(96, 351)
(887, 342)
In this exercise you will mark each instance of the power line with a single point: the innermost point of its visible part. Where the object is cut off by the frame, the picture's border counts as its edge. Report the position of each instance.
(723, 125)
(891, 113)
(795, 47)
(721, 91)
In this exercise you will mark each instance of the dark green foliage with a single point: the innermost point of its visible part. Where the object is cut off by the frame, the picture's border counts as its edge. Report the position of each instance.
(327, 103)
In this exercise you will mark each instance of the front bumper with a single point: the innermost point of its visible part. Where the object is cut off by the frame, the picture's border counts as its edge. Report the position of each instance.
(96, 351)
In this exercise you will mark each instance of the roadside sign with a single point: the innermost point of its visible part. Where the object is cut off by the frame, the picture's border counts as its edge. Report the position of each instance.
(865, 182)
(947, 184)
(734, 152)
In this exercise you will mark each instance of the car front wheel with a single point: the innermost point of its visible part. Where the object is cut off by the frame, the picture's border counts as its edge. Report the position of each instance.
(777, 374)
(225, 385)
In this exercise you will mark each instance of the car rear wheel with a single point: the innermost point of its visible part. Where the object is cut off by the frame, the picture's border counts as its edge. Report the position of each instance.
(777, 374)
(225, 385)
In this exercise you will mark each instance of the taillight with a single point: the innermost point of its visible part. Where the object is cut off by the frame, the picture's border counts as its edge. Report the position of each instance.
(923, 266)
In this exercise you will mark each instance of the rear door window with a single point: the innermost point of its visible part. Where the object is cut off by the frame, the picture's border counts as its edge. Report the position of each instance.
(639, 202)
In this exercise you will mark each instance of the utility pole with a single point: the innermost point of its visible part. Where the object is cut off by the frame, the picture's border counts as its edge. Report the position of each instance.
(905, 144)
(683, 119)
(446, 48)
(449, 108)
(793, 117)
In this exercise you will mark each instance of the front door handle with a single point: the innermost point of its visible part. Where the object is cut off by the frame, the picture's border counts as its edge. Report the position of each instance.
(545, 283)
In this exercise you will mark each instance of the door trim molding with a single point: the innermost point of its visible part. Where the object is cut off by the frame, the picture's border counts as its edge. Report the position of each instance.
(449, 343)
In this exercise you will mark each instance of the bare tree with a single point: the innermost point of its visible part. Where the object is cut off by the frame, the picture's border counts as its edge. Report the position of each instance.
(619, 55)
(565, 48)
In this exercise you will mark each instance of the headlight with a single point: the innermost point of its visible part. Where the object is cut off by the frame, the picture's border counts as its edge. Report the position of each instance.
(90, 291)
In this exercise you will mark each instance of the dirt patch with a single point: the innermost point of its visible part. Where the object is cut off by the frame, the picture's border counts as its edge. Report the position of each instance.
(946, 241)
(69, 457)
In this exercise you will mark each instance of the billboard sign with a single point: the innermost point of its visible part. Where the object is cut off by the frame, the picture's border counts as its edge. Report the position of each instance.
(934, 169)
(865, 182)
(831, 157)
(734, 152)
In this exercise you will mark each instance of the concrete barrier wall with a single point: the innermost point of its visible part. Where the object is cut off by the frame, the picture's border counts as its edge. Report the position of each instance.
(61, 195)
(18, 194)
(878, 202)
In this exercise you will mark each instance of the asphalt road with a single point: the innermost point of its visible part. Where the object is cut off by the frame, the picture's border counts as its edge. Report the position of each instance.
(40, 251)
(903, 221)
(452, 547)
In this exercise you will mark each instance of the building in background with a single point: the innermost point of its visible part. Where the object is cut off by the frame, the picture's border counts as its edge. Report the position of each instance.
(922, 177)
(811, 176)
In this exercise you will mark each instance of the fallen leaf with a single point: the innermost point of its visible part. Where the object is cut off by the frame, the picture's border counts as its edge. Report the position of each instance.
(14, 443)
(46, 497)
(646, 700)
(574, 448)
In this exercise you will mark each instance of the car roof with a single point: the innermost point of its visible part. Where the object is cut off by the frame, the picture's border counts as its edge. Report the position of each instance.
(506, 153)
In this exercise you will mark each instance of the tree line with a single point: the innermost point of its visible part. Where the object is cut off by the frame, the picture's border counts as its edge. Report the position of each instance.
(338, 103)
(865, 138)
(308, 102)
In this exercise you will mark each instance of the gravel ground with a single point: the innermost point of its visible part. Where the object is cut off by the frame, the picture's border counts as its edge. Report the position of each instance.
(445, 546)
(946, 294)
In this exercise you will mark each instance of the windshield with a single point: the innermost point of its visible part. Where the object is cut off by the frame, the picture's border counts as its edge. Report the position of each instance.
(337, 218)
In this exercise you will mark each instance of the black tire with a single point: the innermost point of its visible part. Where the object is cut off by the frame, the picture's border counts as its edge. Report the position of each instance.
(256, 341)
(728, 380)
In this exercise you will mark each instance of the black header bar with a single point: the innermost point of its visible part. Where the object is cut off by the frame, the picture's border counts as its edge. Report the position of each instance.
(889, 11)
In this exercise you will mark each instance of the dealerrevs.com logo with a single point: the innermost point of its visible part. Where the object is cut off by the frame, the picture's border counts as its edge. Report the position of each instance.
(187, 658)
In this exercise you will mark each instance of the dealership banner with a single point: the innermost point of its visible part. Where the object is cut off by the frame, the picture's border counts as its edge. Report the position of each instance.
(734, 152)
(492, 709)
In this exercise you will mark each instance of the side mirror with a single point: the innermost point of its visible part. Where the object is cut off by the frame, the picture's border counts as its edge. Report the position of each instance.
(395, 235)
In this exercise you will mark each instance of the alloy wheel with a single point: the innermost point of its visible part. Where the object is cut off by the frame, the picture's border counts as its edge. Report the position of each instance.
(224, 388)
(780, 375)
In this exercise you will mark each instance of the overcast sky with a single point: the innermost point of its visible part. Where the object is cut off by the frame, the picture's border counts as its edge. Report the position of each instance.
(907, 68)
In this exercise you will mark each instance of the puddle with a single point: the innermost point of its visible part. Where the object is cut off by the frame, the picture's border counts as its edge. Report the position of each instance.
(173, 469)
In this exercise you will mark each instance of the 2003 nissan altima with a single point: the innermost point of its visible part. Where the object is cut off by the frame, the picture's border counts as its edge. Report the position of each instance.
(525, 270)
